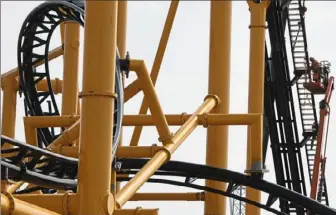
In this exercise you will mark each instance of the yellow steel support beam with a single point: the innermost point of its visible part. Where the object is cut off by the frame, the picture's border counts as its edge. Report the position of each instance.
(56, 85)
(42, 85)
(168, 197)
(219, 84)
(8, 114)
(121, 43)
(254, 161)
(137, 211)
(157, 64)
(97, 108)
(62, 31)
(162, 127)
(12, 188)
(203, 119)
(68, 136)
(66, 203)
(8, 108)
(131, 90)
(122, 151)
(51, 121)
(70, 74)
(30, 134)
(122, 28)
(13, 206)
(72, 133)
(164, 155)
(33, 122)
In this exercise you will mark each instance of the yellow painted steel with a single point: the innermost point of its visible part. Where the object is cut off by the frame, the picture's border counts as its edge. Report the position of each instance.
(164, 155)
(219, 84)
(62, 31)
(97, 108)
(157, 64)
(42, 85)
(122, 151)
(137, 211)
(121, 43)
(203, 119)
(147, 85)
(13, 206)
(70, 73)
(131, 90)
(168, 197)
(256, 94)
(66, 203)
(31, 135)
(4, 185)
(51, 121)
(56, 85)
(122, 28)
(8, 108)
(68, 136)
(12, 188)
(8, 115)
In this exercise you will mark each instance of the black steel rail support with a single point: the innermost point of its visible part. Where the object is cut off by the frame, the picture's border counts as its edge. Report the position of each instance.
(281, 117)
(60, 172)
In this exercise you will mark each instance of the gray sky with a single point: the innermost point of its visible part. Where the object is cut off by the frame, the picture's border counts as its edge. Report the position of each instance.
(182, 83)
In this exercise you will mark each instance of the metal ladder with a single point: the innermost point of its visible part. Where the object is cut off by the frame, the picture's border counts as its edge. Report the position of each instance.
(300, 61)
(297, 32)
(322, 194)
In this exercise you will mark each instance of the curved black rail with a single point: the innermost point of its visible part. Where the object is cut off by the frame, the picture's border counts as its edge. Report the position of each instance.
(59, 172)
(33, 47)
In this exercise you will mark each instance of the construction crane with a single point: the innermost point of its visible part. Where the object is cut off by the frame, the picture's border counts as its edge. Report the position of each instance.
(72, 160)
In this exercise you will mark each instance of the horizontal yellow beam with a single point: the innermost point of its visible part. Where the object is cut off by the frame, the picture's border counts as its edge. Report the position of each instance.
(204, 119)
(55, 202)
(122, 151)
(50, 121)
(42, 85)
(13, 206)
(137, 211)
(168, 197)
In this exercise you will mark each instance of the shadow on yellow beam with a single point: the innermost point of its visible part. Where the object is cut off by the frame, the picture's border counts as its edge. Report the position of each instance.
(68, 203)
(14, 206)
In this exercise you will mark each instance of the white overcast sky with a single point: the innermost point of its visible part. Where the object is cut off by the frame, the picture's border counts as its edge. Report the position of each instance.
(182, 83)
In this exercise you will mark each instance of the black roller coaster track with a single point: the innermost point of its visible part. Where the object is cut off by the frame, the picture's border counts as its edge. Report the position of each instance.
(280, 111)
(46, 169)
(33, 47)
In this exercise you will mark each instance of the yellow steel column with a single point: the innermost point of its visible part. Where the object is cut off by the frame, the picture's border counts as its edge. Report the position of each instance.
(95, 154)
(9, 106)
(8, 115)
(70, 75)
(254, 160)
(219, 84)
(122, 27)
(156, 65)
(121, 43)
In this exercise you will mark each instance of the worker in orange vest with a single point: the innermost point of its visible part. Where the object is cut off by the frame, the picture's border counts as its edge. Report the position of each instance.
(315, 66)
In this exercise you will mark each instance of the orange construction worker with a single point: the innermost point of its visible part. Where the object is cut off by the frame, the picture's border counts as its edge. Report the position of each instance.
(315, 66)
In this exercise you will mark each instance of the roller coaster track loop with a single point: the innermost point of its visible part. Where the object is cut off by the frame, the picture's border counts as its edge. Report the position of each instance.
(33, 47)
